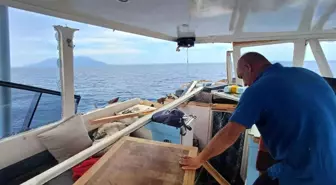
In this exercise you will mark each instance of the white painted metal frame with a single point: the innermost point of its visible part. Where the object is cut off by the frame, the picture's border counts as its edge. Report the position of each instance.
(236, 55)
(320, 58)
(65, 44)
(69, 163)
(299, 52)
(244, 163)
(244, 37)
(229, 67)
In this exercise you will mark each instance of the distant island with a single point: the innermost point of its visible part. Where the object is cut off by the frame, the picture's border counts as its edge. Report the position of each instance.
(79, 61)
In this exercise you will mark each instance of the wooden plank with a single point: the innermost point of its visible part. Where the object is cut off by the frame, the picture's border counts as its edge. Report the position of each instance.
(214, 173)
(224, 107)
(133, 161)
(192, 103)
(150, 103)
(217, 107)
(118, 117)
(226, 96)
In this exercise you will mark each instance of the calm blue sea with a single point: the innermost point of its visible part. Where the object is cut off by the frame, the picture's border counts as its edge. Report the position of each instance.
(96, 86)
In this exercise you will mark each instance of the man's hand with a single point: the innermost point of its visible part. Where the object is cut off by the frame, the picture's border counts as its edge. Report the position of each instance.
(191, 163)
(218, 144)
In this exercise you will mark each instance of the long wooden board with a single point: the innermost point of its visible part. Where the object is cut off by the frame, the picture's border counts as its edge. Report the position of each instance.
(134, 161)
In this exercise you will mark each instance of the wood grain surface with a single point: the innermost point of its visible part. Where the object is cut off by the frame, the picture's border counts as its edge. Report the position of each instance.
(134, 161)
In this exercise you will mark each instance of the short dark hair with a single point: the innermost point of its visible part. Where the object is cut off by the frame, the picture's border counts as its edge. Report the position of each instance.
(251, 57)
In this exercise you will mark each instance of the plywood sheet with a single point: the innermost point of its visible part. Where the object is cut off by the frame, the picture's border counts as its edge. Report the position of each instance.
(134, 161)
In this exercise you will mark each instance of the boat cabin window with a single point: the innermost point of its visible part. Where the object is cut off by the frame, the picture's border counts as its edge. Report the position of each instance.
(28, 107)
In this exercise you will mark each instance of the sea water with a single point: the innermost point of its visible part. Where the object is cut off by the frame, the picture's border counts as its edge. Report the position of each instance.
(97, 86)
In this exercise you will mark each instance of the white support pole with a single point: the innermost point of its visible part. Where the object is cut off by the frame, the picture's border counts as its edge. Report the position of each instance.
(307, 16)
(324, 18)
(299, 53)
(65, 44)
(320, 58)
(72, 161)
(244, 163)
(5, 75)
(229, 67)
(236, 55)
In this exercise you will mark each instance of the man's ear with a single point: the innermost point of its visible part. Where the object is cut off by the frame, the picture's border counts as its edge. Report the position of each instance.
(248, 67)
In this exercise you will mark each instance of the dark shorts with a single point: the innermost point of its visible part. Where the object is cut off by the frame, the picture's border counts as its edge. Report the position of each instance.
(264, 179)
(264, 161)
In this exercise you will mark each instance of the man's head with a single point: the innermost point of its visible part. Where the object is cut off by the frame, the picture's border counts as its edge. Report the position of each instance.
(250, 65)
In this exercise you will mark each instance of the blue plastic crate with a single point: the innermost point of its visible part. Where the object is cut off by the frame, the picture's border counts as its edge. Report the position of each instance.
(164, 133)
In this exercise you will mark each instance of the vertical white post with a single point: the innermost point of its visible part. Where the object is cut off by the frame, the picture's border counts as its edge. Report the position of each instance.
(320, 58)
(299, 53)
(244, 162)
(236, 55)
(229, 67)
(5, 70)
(65, 41)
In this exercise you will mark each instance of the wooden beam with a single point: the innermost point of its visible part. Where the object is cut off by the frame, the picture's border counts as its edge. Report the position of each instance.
(224, 107)
(110, 119)
(150, 104)
(214, 173)
(226, 96)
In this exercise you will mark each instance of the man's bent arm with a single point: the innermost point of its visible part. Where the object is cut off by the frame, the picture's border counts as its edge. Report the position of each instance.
(222, 140)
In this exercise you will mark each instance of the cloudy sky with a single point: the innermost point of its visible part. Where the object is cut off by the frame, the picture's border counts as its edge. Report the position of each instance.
(32, 39)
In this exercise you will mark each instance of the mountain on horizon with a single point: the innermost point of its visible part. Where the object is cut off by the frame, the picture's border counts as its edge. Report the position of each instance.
(79, 61)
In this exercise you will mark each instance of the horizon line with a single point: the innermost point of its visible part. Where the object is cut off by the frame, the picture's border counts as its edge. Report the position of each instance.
(224, 62)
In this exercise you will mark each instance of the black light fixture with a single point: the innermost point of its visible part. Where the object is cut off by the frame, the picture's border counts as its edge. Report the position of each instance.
(123, 1)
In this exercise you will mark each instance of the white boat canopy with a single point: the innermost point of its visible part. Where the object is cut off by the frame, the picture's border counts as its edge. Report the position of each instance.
(210, 21)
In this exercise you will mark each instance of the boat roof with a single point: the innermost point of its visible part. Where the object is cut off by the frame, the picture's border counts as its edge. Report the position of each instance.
(210, 21)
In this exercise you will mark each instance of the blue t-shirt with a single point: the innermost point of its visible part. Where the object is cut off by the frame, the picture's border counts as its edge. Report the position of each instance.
(294, 110)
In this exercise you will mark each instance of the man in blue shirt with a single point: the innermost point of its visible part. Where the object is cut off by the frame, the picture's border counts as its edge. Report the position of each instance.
(294, 110)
